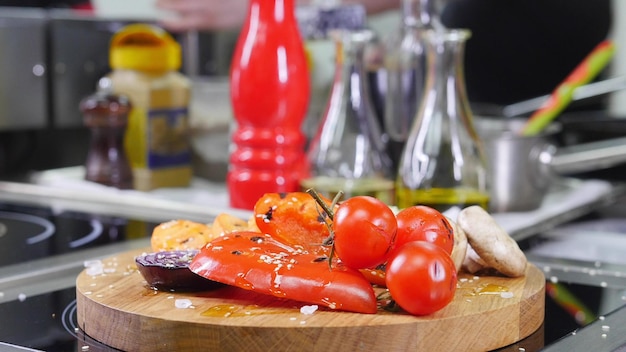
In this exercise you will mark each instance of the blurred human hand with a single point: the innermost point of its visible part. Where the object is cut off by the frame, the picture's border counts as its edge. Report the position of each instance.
(203, 14)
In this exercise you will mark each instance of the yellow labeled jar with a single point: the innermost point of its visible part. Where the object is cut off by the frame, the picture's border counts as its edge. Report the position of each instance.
(145, 60)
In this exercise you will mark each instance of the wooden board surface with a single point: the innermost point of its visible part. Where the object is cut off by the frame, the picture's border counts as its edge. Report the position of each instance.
(119, 309)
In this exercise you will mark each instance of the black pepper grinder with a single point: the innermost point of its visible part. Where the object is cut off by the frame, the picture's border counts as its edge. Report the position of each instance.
(106, 114)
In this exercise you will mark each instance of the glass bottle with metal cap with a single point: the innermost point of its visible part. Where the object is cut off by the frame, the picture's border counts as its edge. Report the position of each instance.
(443, 164)
(348, 152)
(405, 71)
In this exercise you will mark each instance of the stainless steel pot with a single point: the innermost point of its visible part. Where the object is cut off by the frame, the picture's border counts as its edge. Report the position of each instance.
(523, 168)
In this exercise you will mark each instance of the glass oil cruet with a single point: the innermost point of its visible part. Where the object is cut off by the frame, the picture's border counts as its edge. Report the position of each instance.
(443, 164)
(405, 70)
(348, 152)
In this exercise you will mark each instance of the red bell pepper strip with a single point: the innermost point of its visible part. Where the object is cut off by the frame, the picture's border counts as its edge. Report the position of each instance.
(258, 262)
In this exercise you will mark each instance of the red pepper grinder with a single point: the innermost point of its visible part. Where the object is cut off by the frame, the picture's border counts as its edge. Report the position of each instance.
(270, 92)
(106, 115)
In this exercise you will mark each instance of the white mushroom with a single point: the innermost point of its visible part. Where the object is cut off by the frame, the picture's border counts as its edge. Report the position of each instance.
(460, 245)
(491, 242)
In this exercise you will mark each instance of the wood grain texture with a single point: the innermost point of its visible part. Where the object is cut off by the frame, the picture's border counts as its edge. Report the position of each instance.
(119, 309)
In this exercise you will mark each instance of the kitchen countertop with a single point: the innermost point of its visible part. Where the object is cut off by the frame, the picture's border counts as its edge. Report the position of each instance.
(568, 199)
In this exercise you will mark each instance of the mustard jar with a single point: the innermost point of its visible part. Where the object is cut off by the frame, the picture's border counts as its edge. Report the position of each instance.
(145, 60)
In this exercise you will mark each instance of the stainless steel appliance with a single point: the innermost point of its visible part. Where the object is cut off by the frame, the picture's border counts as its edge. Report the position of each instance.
(23, 69)
(49, 61)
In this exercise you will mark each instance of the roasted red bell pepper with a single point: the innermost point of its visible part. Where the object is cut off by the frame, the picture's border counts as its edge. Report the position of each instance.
(294, 218)
(258, 262)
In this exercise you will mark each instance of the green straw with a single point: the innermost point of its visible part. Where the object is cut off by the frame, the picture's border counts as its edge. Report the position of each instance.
(587, 70)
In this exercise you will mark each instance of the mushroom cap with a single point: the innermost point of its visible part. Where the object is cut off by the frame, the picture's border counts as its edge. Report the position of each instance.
(491, 242)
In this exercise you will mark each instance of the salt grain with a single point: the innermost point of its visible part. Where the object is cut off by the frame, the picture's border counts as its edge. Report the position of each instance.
(506, 294)
(308, 310)
(94, 267)
(21, 297)
(182, 303)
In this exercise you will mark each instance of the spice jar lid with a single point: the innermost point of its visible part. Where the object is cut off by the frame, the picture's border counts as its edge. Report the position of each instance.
(144, 47)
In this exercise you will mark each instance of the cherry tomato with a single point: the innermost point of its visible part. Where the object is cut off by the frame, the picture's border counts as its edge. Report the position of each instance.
(421, 277)
(364, 228)
(258, 262)
(422, 223)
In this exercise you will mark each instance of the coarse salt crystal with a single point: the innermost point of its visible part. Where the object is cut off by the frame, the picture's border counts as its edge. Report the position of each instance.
(506, 294)
(94, 271)
(94, 267)
(182, 303)
(94, 262)
(308, 310)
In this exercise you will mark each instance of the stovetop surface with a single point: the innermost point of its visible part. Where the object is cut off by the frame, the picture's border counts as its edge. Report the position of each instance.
(32, 232)
(42, 249)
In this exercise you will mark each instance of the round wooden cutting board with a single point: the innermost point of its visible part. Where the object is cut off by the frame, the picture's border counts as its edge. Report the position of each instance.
(119, 309)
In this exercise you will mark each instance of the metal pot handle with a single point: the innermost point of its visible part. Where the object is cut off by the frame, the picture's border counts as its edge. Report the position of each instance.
(589, 156)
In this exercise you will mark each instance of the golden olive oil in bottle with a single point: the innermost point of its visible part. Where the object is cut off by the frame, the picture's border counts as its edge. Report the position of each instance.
(442, 165)
(441, 199)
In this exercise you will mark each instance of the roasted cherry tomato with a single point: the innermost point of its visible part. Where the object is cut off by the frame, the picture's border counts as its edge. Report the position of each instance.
(364, 229)
(422, 223)
(293, 218)
(255, 261)
(421, 277)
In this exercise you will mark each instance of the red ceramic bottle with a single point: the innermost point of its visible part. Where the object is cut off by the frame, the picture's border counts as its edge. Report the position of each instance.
(270, 94)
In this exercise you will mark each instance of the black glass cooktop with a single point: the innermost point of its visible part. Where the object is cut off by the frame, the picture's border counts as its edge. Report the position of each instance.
(46, 321)
(32, 232)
